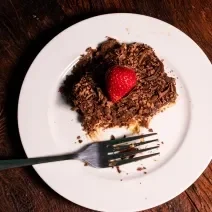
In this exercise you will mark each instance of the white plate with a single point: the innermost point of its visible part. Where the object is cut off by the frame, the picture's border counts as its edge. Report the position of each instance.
(48, 127)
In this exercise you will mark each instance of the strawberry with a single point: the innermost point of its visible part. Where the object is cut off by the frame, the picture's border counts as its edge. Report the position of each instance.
(119, 82)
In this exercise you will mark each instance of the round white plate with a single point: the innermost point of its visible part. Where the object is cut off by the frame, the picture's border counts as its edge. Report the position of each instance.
(48, 126)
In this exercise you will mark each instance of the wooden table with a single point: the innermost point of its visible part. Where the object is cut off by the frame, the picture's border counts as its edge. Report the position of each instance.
(25, 27)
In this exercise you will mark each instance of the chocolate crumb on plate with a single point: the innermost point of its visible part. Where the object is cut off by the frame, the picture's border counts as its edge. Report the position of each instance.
(150, 130)
(139, 169)
(145, 172)
(112, 137)
(118, 169)
(80, 141)
(78, 137)
(85, 164)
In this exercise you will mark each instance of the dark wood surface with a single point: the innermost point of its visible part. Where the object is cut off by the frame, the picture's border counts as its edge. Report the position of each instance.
(25, 27)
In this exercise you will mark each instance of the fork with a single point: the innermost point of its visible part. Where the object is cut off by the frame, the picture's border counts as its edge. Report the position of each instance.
(98, 154)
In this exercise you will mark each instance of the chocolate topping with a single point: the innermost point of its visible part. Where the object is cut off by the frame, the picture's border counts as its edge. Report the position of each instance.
(85, 90)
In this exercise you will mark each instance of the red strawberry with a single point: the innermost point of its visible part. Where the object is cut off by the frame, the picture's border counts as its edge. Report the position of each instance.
(119, 81)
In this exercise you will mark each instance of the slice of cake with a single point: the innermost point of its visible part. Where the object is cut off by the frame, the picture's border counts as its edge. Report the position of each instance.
(88, 88)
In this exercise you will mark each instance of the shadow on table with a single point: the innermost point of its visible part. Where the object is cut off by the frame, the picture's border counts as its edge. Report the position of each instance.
(19, 72)
(16, 80)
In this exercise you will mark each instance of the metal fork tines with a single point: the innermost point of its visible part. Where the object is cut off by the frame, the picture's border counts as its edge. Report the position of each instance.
(122, 151)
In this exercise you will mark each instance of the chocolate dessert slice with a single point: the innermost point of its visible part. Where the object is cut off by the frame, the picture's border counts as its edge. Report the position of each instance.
(85, 90)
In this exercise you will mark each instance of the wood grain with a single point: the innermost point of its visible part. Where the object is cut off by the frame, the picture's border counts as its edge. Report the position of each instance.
(25, 27)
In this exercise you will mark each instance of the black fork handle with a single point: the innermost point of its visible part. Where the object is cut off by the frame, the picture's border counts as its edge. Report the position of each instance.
(14, 163)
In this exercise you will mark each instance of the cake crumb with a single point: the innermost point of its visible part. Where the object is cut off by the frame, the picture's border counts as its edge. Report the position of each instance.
(80, 141)
(112, 137)
(118, 169)
(78, 137)
(145, 172)
(85, 164)
(142, 139)
(139, 169)
(150, 130)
